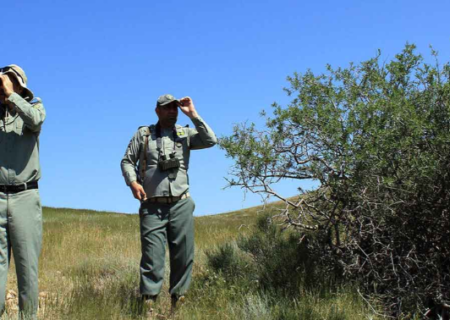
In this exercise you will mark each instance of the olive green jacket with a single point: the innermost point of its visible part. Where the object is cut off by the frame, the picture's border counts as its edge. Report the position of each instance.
(19, 141)
(157, 183)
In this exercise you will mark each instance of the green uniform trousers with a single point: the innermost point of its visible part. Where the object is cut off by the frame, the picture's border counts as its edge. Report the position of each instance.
(172, 223)
(21, 230)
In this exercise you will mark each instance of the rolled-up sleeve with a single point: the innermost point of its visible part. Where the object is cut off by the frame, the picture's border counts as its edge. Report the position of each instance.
(130, 159)
(33, 115)
(202, 136)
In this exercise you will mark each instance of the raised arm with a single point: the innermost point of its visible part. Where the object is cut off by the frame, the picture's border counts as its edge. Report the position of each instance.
(202, 136)
(33, 115)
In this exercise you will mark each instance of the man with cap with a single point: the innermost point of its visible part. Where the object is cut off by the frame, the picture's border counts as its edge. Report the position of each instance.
(21, 119)
(160, 155)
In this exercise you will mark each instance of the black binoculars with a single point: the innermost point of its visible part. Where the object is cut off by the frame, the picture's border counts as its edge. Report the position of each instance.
(167, 164)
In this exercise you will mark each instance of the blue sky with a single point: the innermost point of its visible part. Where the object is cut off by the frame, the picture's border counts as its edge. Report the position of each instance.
(99, 67)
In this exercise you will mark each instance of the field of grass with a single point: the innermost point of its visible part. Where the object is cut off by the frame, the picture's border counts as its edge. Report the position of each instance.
(89, 270)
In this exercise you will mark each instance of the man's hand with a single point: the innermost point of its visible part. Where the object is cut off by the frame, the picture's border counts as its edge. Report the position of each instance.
(138, 191)
(6, 85)
(188, 108)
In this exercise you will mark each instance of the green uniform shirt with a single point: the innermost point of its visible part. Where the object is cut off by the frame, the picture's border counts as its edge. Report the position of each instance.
(156, 182)
(19, 141)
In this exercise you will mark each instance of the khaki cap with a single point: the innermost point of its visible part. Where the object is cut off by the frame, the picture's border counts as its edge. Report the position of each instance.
(21, 77)
(166, 99)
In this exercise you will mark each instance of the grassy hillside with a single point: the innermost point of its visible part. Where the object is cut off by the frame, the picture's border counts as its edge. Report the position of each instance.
(89, 270)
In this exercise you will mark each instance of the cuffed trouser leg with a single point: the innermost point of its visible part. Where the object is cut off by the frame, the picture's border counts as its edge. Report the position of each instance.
(4, 249)
(25, 233)
(181, 245)
(153, 221)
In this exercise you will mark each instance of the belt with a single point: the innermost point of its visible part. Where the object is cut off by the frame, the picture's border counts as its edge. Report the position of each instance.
(19, 187)
(168, 199)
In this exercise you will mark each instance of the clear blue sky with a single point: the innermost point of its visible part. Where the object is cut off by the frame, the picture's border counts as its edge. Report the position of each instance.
(99, 67)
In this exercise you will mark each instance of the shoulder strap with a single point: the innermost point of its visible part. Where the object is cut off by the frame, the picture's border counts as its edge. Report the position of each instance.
(143, 155)
(188, 134)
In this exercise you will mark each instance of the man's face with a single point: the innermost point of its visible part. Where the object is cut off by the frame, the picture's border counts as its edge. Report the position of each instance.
(15, 86)
(167, 114)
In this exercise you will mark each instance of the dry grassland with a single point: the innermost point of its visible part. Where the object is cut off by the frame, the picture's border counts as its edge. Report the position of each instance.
(89, 270)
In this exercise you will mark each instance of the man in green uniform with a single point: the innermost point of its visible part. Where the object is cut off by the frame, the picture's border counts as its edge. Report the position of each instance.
(21, 119)
(161, 154)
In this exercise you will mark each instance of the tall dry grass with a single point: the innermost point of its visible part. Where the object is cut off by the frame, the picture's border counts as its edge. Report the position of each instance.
(89, 270)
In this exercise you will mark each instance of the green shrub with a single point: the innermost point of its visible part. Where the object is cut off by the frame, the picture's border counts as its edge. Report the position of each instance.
(273, 260)
(376, 136)
(230, 262)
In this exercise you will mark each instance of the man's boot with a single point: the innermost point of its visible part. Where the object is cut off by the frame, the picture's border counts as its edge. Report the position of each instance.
(149, 303)
(177, 301)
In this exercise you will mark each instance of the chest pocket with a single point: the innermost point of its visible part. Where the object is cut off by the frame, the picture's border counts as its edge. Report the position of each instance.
(182, 150)
(181, 144)
(14, 125)
(182, 137)
(19, 127)
(152, 151)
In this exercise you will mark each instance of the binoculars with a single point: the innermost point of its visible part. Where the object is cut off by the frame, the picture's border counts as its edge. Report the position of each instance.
(167, 164)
